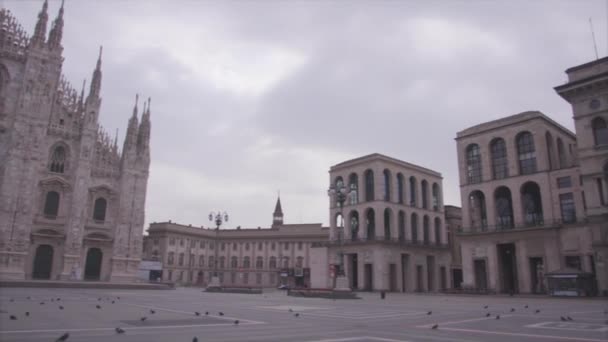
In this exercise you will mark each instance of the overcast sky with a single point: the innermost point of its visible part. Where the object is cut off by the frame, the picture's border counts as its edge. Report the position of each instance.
(252, 97)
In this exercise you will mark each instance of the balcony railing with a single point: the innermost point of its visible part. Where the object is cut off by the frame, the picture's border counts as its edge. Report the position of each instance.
(510, 226)
(381, 240)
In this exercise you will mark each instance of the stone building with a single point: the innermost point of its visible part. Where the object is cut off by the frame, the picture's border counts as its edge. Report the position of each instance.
(394, 236)
(71, 202)
(522, 203)
(587, 92)
(252, 257)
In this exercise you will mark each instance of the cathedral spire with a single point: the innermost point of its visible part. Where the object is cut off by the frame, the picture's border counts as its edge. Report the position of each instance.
(132, 128)
(143, 135)
(277, 216)
(57, 30)
(40, 30)
(96, 81)
(81, 100)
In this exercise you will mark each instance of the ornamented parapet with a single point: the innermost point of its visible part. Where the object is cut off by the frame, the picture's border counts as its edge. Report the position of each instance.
(13, 38)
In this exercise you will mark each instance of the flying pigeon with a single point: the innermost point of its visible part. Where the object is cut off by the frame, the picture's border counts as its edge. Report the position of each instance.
(60, 307)
(28, 297)
(112, 302)
(297, 314)
(429, 313)
(206, 313)
(63, 337)
(236, 322)
(195, 339)
(152, 311)
(485, 307)
(58, 299)
(118, 297)
(512, 309)
(537, 311)
(41, 303)
(98, 306)
(119, 330)
(497, 316)
(569, 318)
(290, 310)
(525, 307)
(27, 313)
(435, 326)
(563, 318)
(488, 314)
(12, 300)
(13, 317)
(197, 313)
(221, 313)
(143, 318)
(99, 299)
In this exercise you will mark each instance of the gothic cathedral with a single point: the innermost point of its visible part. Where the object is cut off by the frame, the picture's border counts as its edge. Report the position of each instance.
(71, 202)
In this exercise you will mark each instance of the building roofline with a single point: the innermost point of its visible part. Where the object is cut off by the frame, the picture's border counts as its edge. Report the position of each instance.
(588, 64)
(379, 156)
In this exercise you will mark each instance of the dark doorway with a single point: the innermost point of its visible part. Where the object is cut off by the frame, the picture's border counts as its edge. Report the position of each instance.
(456, 278)
(481, 277)
(507, 267)
(92, 269)
(354, 271)
(369, 280)
(156, 275)
(419, 285)
(392, 277)
(404, 271)
(430, 272)
(443, 278)
(536, 275)
(43, 262)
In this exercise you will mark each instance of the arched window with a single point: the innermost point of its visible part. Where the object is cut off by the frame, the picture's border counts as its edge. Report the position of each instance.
(600, 131)
(58, 160)
(285, 262)
(211, 261)
(191, 260)
(222, 261)
(99, 210)
(532, 204)
(414, 227)
(170, 258)
(354, 225)
(424, 188)
(436, 198)
(299, 262)
(234, 246)
(259, 262)
(247, 246)
(51, 204)
(500, 167)
(437, 231)
(338, 183)
(181, 259)
(387, 224)
(369, 185)
(526, 153)
(426, 230)
(561, 154)
(353, 183)
(201, 261)
(371, 224)
(246, 262)
(260, 246)
(387, 185)
(273, 262)
(413, 191)
(550, 157)
(473, 164)
(477, 210)
(400, 187)
(504, 208)
(234, 262)
(401, 223)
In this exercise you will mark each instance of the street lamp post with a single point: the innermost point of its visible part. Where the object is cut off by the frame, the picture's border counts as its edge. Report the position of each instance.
(341, 193)
(218, 217)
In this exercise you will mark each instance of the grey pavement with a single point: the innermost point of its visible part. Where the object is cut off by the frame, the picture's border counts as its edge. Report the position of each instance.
(267, 317)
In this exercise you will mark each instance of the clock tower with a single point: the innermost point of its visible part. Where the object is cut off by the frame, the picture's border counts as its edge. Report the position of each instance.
(277, 216)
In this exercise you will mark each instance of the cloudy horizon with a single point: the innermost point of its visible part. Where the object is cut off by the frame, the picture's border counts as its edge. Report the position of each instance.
(252, 98)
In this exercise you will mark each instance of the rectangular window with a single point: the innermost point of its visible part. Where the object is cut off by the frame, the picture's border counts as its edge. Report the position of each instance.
(574, 261)
(286, 245)
(258, 278)
(564, 182)
(600, 191)
(566, 203)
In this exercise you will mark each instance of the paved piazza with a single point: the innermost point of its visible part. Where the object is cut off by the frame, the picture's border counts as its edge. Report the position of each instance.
(267, 317)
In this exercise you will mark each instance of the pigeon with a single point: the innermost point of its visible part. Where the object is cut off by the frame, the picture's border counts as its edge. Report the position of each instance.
(297, 314)
(429, 313)
(112, 302)
(197, 313)
(195, 339)
(569, 318)
(119, 330)
(206, 313)
(58, 299)
(143, 318)
(488, 314)
(98, 306)
(28, 297)
(497, 316)
(512, 309)
(99, 299)
(41, 303)
(221, 313)
(290, 310)
(236, 322)
(485, 307)
(525, 307)
(537, 311)
(13, 317)
(563, 318)
(152, 311)
(63, 337)
(12, 300)
(60, 307)
(27, 313)
(435, 326)
(118, 297)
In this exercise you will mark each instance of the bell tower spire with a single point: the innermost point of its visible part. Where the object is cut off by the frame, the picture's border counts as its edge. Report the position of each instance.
(40, 30)
(57, 30)
(96, 81)
(277, 216)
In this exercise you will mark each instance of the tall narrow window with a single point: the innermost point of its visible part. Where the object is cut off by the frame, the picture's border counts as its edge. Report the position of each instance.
(369, 185)
(234, 262)
(353, 184)
(401, 224)
(180, 261)
(413, 191)
(387, 185)
(532, 204)
(426, 233)
(424, 188)
(477, 210)
(246, 262)
(550, 157)
(387, 224)
(400, 188)
(436, 200)
(526, 153)
(58, 159)
(500, 168)
(561, 154)
(99, 210)
(437, 231)
(354, 225)
(51, 204)
(473, 164)
(600, 191)
(414, 227)
(504, 208)
(566, 204)
(300, 262)
(600, 131)
(259, 263)
(273, 262)
(371, 224)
